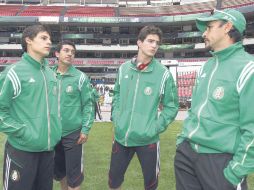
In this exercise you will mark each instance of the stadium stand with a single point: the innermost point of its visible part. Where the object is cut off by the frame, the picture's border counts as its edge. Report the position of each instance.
(236, 3)
(72, 1)
(31, 1)
(89, 12)
(167, 10)
(100, 2)
(185, 83)
(10, 10)
(41, 11)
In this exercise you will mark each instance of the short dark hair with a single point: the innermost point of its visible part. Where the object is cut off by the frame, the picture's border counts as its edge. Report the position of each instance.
(233, 33)
(64, 42)
(150, 29)
(31, 32)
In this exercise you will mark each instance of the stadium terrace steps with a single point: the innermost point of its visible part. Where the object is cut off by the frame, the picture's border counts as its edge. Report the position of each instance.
(10, 10)
(95, 11)
(173, 10)
(42, 11)
(90, 11)
(236, 3)
(167, 10)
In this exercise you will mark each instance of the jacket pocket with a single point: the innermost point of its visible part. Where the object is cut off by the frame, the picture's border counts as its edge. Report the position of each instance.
(143, 128)
(121, 121)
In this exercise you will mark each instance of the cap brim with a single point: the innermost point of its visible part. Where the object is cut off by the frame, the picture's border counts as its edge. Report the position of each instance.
(201, 23)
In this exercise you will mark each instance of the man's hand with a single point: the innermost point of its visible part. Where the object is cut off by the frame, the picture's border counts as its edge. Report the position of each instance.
(82, 138)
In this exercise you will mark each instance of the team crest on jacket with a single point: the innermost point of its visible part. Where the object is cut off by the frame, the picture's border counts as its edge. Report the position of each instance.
(69, 89)
(148, 91)
(15, 175)
(218, 93)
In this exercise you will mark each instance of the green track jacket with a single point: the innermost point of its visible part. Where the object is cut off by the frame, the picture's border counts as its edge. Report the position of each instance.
(95, 95)
(221, 118)
(137, 95)
(28, 106)
(75, 99)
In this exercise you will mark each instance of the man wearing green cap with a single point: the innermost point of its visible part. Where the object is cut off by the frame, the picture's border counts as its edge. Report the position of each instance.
(215, 150)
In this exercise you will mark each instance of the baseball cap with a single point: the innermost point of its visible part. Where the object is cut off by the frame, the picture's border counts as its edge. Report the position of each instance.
(231, 15)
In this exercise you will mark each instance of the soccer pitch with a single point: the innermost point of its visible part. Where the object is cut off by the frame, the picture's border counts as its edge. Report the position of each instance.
(97, 157)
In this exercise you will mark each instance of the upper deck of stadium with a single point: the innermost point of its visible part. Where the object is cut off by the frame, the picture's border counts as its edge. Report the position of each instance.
(113, 8)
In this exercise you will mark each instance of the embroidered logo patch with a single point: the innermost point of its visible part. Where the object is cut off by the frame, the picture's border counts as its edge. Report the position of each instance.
(69, 89)
(218, 93)
(148, 91)
(15, 175)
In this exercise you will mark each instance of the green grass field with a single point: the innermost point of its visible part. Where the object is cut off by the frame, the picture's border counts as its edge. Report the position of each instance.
(97, 157)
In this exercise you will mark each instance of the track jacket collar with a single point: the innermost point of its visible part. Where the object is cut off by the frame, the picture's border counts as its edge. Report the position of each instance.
(225, 53)
(149, 67)
(70, 71)
(33, 62)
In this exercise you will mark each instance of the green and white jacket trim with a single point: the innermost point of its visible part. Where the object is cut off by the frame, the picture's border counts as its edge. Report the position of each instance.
(76, 106)
(137, 96)
(28, 105)
(221, 118)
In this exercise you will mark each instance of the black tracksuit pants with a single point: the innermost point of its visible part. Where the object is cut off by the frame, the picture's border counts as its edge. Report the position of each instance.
(195, 171)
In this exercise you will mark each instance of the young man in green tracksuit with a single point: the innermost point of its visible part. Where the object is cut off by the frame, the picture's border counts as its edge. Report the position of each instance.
(76, 112)
(142, 85)
(216, 147)
(28, 115)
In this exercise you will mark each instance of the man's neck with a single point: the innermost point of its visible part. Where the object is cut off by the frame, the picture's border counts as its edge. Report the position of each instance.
(144, 59)
(223, 44)
(62, 68)
(35, 57)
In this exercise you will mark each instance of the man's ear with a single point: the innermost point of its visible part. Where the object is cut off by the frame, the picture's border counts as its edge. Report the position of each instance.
(228, 26)
(28, 40)
(139, 43)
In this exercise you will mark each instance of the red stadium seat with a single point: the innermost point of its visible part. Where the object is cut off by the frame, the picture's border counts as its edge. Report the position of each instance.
(9, 10)
(77, 11)
(42, 11)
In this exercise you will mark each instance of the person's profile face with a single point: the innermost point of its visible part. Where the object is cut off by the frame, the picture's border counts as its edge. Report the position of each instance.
(40, 45)
(215, 34)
